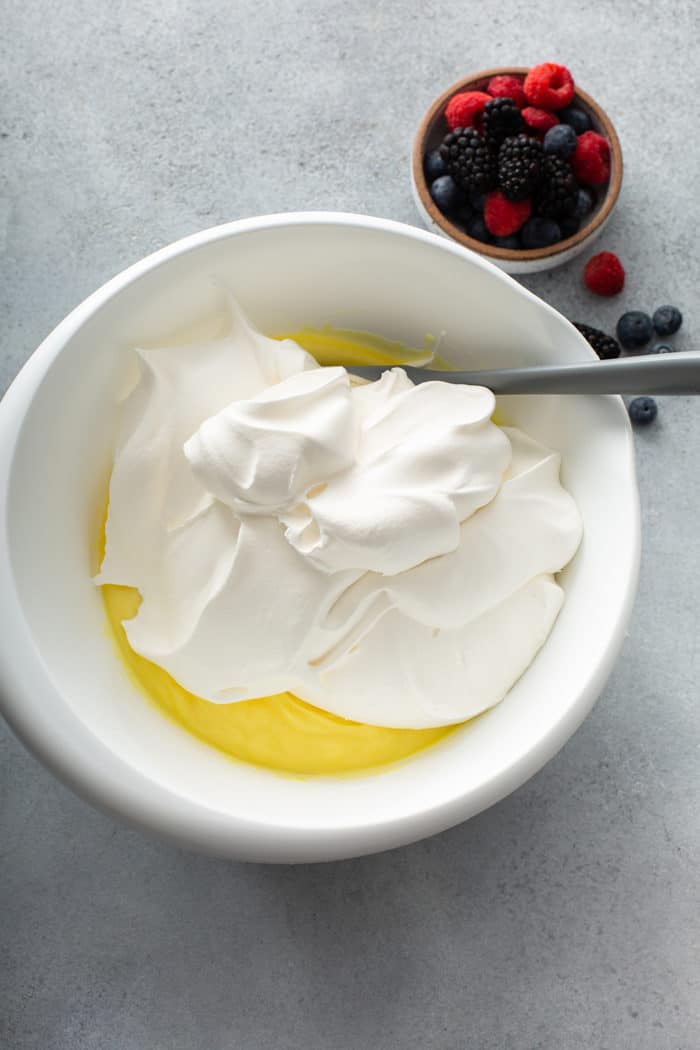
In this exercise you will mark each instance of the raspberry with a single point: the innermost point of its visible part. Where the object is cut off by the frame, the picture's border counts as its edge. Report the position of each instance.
(549, 86)
(591, 159)
(464, 109)
(503, 216)
(539, 119)
(604, 274)
(505, 86)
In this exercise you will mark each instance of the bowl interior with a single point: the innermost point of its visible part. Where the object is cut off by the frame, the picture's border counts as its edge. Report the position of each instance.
(65, 690)
(434, 127)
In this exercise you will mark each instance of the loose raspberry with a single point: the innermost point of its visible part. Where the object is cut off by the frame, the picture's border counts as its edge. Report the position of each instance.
(505, 86)
(464, 109)
(591, 159)
(549, 86)
(604, 274)
(503, 216)
(540, 120)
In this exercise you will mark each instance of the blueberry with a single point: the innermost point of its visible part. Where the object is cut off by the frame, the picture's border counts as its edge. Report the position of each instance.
(584, 203)
(667, 320)
(661, 348)
(477, 199)
(561, 139)
(476, 228)
(576, 118)
(511, 241)
(433, 165)
(463, 213)
(643, 410)
(569, 225)
(634, 329)
(445, 192)
(540, 233)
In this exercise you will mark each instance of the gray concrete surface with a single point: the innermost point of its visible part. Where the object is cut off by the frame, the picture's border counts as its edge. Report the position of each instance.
(567, 915)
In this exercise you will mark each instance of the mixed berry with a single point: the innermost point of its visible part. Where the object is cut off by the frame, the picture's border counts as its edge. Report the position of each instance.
(635, 331)
(519, 165)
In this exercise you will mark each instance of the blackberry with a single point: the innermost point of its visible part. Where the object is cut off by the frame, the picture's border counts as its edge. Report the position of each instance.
(604, 345)
(557, 193)
(519, 166)
(501, 120)
(468, 159)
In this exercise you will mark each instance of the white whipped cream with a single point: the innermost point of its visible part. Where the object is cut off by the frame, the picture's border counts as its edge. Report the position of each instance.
(383, 550)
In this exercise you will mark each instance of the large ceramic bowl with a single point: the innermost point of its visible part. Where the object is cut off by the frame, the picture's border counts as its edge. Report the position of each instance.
(65, 692)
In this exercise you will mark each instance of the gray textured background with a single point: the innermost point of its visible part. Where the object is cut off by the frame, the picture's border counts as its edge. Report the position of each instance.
(567, 915)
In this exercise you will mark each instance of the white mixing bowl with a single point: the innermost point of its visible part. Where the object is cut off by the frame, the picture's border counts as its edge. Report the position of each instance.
(63, 689)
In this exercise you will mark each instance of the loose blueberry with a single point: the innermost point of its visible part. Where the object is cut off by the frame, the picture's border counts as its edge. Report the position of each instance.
(477, 199)
(576, 118)
(476, 228)
(584, 203)
(511, 241)
(569, 225)
(540, 233)
(661, 348)
(445, 192)
(634, 329)
(643, 410)
(561, 139)
(434, 165)
(667, 320)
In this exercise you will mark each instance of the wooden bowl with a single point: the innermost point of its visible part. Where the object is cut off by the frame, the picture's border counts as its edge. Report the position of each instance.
(432, 130)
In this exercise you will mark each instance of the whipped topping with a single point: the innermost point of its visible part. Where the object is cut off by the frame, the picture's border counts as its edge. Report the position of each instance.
(263, 455)
(374, 477)
(383, 550)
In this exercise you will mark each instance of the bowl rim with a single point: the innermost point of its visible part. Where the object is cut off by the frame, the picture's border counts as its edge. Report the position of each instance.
(106, 779)
(512, 255)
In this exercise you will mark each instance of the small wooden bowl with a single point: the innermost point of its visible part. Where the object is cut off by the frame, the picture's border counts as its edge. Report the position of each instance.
(432, 130)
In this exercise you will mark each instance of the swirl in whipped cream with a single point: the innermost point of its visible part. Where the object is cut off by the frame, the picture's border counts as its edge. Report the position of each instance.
(383, 550)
